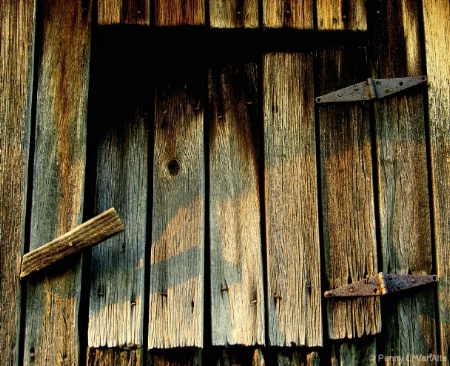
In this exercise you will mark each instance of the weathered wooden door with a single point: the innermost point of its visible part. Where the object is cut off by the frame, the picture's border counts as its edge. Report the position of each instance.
(243, 199)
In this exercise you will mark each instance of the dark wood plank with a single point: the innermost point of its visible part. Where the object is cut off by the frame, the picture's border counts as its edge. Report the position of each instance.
(401, 152)
(237, 293)
(357, 352)
(116, 312)
(347, 194)
(436, 16)
(53, 305)
(291, 201)
(178, 218)
(179, 12)
(233, 14)
(17, 22)
(135, 12)
(115, 356)
(288, 13)
(341, 15)
(187, 356)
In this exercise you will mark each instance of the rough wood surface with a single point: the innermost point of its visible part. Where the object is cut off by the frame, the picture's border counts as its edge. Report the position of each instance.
(341, 15)
(294, 295)
(401, 152)
(123, 12)
(91, 232)
(347, 194)
(177, 241)
(53, 305)
(356, 352)
(436, 16)
(179, 12)
(176, 357)
(233, 13)
(115, 356)
(17, 21)
(296, 14)
(237, 293)
(121, 106)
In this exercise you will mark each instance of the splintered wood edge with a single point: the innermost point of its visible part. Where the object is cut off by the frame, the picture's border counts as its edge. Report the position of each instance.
(91, 232)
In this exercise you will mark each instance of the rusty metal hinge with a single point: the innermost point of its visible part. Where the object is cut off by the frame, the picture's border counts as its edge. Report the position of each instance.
(371, 89)
(381, 284)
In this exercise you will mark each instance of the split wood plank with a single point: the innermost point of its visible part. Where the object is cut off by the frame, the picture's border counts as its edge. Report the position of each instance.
(297, 14)
(347, 194)
(233, 14)
(178, 218)
(179, 12)
(356, 352)
(188, 356)
(136, 12)
(291, 201)
(436, 15)
(17, 23)
(401, 153)
(341, 15)
(115, 356)
(93, 231)
(237, 289)
(122, 107)
(53, 302)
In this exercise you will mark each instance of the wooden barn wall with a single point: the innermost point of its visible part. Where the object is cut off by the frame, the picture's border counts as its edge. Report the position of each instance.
(243, 200)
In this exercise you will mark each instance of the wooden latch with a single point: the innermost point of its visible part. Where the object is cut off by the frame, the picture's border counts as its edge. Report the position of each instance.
(381, 284)
(371, 89)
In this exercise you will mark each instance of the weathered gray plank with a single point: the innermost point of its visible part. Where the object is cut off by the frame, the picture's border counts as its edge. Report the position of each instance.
(122, 105)
(17, 20)
(233, 13)
(341, 15)
(175, 357)
(291, 196)
(237, 293)
(356, 352)
(347, 194)
(91, 232)
(177, 244)
(123, 12)
(179, 12)
(296, 14)
(436, 16)
(404, 207)
(51, 327)
(115, 356)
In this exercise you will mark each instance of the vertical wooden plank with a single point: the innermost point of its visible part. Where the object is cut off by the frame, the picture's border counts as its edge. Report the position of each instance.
(341, 15)
(233, 14)
(355, 352)
(291, 196)
(347, 194)
(135, 12)
(179, 12)
(114, 356)
(121, 111)
(296, 14)
(177, 246)
(179, 357)
(17, 21)
(53, 303)
(436, 16)
(237, 294)
(409, 328)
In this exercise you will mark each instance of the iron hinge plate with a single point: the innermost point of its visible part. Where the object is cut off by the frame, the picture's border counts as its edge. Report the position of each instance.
(381, 284)
(371, 89)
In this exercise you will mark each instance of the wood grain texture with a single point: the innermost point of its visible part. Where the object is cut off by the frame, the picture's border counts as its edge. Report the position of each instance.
(291, 201)
(296, 14)
(115, 356)
(51, 326)
(347, 194)
(179, 12)
(178, 218)
(356, 352)
(437, 45)
(91, 232)
(121, 113)
(135, 12)
(237, 293)
(233, 13)
(188, 356)
(341, 15)
(401, 152)
(17, 21)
